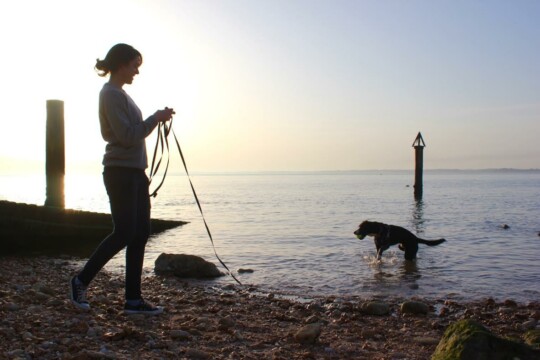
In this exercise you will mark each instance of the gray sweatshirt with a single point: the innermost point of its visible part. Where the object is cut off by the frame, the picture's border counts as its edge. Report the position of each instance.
(123, 128)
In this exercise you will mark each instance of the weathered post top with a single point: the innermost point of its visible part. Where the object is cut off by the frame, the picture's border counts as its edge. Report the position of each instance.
(419, 141)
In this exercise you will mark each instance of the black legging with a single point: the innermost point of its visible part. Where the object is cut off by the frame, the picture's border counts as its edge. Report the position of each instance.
(130, 209)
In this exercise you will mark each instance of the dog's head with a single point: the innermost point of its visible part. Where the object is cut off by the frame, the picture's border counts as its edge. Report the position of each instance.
(366, 228)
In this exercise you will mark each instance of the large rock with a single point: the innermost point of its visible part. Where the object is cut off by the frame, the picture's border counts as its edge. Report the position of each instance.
(185, 266)
(469, 340)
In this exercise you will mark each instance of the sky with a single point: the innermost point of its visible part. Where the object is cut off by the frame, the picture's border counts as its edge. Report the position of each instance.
(283, 85)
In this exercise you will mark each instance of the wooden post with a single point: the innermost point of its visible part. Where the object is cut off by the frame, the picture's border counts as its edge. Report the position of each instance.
(55, 154)
(418, 145)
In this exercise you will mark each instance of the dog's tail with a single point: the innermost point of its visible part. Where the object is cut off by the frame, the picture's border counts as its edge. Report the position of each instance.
(431, 242)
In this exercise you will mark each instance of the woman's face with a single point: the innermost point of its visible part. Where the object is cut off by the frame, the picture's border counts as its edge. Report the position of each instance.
(127, 72)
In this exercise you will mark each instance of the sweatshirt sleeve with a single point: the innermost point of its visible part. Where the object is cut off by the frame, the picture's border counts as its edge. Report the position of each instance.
(126, 130)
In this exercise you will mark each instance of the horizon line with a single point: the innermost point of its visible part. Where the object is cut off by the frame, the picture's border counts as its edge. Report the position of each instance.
(291, 172)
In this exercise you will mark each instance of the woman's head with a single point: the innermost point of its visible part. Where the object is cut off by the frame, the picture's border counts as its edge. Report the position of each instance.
(119, 55)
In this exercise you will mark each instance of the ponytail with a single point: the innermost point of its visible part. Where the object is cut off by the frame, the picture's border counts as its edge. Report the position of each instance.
(102, 68)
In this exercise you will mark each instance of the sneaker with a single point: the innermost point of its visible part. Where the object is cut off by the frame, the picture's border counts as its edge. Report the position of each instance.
(78, 294)
(142, 307)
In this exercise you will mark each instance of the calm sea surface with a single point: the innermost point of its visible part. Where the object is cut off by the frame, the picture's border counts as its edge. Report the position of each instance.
(296, 230)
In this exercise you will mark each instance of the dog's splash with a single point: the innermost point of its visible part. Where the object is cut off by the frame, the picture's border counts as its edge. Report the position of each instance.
(389, 258)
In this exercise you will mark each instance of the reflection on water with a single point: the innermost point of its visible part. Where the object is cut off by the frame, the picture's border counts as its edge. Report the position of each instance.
(410, 273)
(409, 267)
(418, 215)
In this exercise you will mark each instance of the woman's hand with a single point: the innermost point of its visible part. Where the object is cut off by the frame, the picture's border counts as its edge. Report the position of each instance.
(164, 115)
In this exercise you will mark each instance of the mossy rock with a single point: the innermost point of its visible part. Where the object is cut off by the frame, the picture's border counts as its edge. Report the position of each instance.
(469, 340)
(532, 337)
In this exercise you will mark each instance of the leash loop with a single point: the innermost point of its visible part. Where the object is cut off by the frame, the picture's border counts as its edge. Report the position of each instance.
(162, 142)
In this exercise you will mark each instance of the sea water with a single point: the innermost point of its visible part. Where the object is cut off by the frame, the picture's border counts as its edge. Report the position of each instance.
(295, 230)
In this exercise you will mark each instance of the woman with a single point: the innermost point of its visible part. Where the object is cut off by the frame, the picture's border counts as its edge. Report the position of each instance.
(125, 161)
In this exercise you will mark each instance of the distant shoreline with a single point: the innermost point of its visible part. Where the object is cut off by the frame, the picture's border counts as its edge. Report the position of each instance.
(358, 172)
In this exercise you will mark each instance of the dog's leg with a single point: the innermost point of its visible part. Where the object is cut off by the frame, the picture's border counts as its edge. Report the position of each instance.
(380, 250)
(410, 251)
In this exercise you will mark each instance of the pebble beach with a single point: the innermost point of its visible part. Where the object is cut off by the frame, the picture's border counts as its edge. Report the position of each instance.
(204, 321)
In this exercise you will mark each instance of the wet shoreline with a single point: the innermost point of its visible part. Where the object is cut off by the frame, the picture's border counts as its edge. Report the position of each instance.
(205, 321)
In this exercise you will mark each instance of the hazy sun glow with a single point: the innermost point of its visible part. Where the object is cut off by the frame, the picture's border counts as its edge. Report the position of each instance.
(284, 85)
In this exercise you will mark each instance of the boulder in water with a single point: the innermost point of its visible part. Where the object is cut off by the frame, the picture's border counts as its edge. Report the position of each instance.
(185, 266)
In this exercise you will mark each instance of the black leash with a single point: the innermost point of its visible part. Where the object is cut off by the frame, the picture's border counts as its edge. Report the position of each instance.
(162, 142)
(162, 138)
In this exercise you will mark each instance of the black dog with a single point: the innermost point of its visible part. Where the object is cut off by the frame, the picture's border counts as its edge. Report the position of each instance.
(388, 235)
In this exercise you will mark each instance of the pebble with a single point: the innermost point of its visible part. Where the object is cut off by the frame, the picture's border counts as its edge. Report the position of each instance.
(65, 341)
(504, 310)
(510, 303)
(137, 318)
(203, 324)
(180, 335)
(12, 307)
(226, 323)
(245, 271)
(398, 355)
(197, 354)
(369, 333)
(529, 325)
(45, 289)
(27, 336)
(316, 307)
(375, 308)
(426, 340)
(229, 287)
(308, 334)
(55, 302)
(329, 350)
(16, 353)
(47, 344)
(93, 332)
(26, 272)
